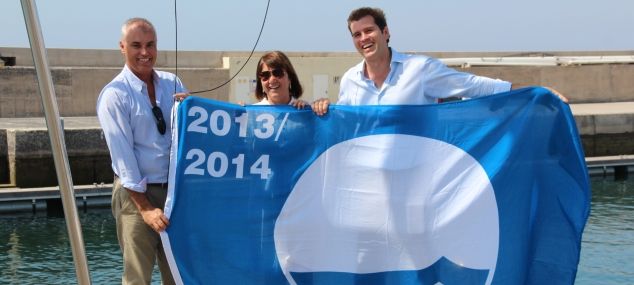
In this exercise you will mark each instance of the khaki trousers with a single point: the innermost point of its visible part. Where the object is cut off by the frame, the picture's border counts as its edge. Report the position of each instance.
(140, 245)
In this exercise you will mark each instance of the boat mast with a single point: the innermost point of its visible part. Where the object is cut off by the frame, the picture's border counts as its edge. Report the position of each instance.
(60, 157)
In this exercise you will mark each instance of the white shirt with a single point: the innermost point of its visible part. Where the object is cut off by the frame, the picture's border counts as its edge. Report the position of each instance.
(139, 153)
(414, 80)
(265, 101)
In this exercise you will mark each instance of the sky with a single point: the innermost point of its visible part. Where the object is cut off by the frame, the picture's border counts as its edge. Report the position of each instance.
(301, 25)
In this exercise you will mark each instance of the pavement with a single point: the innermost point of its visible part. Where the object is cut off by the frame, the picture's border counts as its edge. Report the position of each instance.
(602, 108)
(40, 123)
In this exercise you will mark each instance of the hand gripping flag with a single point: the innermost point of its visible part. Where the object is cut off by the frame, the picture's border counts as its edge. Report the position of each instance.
(484, 191)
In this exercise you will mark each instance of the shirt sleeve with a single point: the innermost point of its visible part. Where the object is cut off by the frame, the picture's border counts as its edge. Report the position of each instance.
(345, 90)
(181, 87)
(115, 123)
(443, 82)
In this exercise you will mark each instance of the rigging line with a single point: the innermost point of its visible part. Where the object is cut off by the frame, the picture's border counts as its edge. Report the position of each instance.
(176, 44)
(250, 55)
(173, 111)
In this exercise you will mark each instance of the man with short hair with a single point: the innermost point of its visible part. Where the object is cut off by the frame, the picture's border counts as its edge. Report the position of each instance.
(387, 77)
(133, 110)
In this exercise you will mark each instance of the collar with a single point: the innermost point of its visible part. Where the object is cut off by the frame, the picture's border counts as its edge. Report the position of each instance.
(136, 83)
(396, 58)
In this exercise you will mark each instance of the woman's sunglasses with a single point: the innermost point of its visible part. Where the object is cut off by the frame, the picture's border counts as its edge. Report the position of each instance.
(160, 122)
(265, 75)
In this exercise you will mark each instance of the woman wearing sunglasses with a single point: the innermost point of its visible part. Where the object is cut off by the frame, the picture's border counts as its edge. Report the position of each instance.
(277, 82)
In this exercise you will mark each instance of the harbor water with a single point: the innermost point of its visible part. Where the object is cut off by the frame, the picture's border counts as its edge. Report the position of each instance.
(34, 248)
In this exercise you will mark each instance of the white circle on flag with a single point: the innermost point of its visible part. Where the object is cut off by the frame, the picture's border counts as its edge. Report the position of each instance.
(389, 202)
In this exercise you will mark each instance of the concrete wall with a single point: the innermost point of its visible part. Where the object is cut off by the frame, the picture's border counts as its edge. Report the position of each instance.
(307, 68)
(79, 76)
(77, 88)
(31, 160)
(608, 144)
(608, 133)
(213, 59)
(113, 58)
(580, 83)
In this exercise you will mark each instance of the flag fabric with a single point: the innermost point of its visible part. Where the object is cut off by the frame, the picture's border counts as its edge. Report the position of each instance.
(484, 191)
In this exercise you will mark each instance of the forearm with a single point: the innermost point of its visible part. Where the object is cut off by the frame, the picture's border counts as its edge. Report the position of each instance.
(140, 201)
(555, 92)
(152, 216)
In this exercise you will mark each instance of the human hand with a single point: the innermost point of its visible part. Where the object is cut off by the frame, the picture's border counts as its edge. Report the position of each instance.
(561, 96)
(320, 106)
(241, 103)
(180, 96)
(155, 219)
(299, 104)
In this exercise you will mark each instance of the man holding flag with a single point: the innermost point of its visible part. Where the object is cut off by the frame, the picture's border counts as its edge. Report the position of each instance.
(387, 77)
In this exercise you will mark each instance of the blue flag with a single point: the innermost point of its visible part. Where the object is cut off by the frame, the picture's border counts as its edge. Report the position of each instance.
(484, 191)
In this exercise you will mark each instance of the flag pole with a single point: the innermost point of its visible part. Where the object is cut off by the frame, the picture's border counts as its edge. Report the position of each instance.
(56, 136)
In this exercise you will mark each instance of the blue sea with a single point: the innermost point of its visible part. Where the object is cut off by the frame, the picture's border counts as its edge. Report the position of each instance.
(34, 248)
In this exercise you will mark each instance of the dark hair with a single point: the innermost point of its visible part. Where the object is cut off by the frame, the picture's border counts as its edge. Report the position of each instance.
(376, 13)
(278, 60)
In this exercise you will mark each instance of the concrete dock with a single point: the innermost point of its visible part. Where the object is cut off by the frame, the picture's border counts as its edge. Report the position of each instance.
(49, 198)
(605, 128)
(26, 159)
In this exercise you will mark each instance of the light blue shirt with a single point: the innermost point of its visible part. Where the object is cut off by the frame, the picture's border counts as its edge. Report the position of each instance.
(414, 80)
(139, 153)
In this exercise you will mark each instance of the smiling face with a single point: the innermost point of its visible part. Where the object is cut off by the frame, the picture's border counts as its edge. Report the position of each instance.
(275, 87)
(369, 40)
(138, 45)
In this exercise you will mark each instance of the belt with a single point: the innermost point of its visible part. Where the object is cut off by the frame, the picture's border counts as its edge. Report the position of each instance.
(162, 185)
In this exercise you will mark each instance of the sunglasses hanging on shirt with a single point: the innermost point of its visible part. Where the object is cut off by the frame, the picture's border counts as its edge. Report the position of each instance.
(160, 122)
